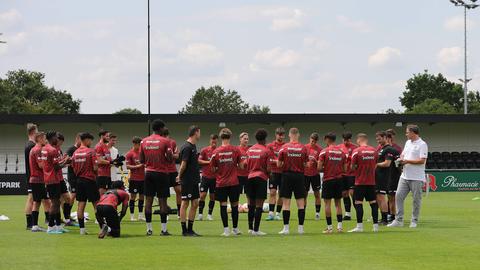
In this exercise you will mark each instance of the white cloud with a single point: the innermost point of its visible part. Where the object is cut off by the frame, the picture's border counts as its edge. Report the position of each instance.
(276, 58)
(9, 18)
(378, 91)
(316, 43)
(448, 57)
(356, 25)
(385, 56)
(284, 18)
(457, 23)
(16, 42)
(201, 53)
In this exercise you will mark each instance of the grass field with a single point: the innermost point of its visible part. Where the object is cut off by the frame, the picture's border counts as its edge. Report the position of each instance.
(448, 237)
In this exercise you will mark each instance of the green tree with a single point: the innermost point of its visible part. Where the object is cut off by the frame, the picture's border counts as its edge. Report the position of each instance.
(25, 92)
(215, 100)
(128, 111)
(432, 106)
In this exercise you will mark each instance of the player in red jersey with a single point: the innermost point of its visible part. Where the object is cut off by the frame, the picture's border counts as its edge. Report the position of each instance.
(84, 164)
(349, 176)
(104, 162)
(292, 158)
(275, 178)
(225, 161)
(363, 164)
(136, 181)
(207, 183)
(172, 171)
(52, 164)
(37, 185)
(333, 161)
(258, 159)
(156, 153)
(107, 215)
(243, 173)
(66, 199)
(312, 177)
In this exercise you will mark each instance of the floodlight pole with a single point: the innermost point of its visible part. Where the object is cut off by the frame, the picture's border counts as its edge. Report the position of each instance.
(148, 56)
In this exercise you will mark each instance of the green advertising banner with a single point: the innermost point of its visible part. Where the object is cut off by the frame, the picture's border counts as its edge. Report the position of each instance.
(453, 180)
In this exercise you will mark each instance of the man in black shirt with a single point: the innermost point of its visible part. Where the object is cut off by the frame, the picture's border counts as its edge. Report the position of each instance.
(382, 173)
(72, 181)
(189, 177)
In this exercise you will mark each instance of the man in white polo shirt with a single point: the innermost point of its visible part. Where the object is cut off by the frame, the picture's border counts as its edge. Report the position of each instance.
(413, 159)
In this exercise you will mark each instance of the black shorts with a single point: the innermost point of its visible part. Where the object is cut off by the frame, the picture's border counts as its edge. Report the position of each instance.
(104, 182)
(208, 185)
(29, 187)
(292, 183)
(393, 182)
(157, 184)
(314, 182)
(54, 191)
(232, 193)
(63, 187)
(39, 192)
(172, 176)
(190, 190)
(256, 188)
(381, 185)
(243, 180)
(110, 215)
(348, 182)
(135, 187)
(72, 184)
(87, 190)
(332, 189)
(364, 192)
(275, 181)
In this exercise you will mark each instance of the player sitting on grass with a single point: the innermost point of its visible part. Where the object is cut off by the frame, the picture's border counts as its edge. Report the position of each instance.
(107, 216)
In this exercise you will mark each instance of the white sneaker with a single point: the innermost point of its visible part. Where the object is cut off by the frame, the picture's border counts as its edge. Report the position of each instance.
(356, 230)
(96, 221)
(375, 227)
(259, 233)
(236, 231)
(251, 232)
(83, 231)
(210, 218)
(141, 216)
(328, 231)
(413, 224)
(200, 217)
(395, 223)
(226, 232)
(300, 229)
(132, 217)
(37, 229)
(277, 217)
(317, 216)
(284, 232)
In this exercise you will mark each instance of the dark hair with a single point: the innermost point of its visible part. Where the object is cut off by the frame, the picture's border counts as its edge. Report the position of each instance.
(261, 135)
(347, 135)
(85, 135)
(391, 131)
(225, 134)
(102, 133)
(113, 136)
(117, 185)
(38, 135)
(51, 134)
(158, 125)
(165, 132)
(213, 137)
(381, 133)
(413, 128)
(330, 136)
(192, 130)
(280, 130)
(60, 136)
(31, 128)
(314, 136)
(136, 140)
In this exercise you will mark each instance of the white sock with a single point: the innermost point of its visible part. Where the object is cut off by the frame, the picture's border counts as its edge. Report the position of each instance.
(347, 214)
(164, 227)
(329, 227)
(34, 227)
(109, 229)
(339, 225)
(300, 227)
(270, 213)
(226, 230)
(286, 227)
(360, 225)
(149, 226)
(67, 220)
(82, 230)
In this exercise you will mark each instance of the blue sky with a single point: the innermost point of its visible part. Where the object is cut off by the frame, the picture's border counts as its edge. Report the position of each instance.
(294, 56)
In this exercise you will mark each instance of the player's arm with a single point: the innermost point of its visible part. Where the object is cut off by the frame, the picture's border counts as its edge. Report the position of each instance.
(345, 163)
(320, 162)
(182, 169)
(384, 164)
(202, 159)
(280, 160)
(130, 161)
(100, 159)
(124, 207)
(214, 163)
(353, 163)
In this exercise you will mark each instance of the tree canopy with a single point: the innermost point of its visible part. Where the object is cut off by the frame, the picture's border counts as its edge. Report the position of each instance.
(128, 111)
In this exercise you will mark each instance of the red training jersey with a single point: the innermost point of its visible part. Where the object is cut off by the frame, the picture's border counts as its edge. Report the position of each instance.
(35, 158)
(333, 159)
(83, 163)
(132, 158)
(172, 166)
(275, 148)
(112, 199)
(206, 155)
(157, 153)
(243, 158)
(294, 157)
(396, 146)
(365, 160)
(102, 151)
(258, 158)
(60, 157)
(50, 159)
(312, 159)
(226, 159)
(348, 149)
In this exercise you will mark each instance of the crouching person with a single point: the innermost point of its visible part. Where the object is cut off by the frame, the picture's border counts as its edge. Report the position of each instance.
(107, 216)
